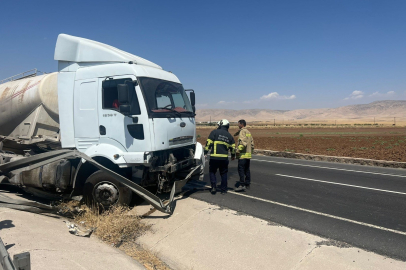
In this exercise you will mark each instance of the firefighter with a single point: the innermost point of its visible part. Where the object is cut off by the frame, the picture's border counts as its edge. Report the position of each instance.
(220, 142)
(245, 149)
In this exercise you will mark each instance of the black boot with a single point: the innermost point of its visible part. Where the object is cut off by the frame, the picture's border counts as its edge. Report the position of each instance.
(240, 188)
(213, 190)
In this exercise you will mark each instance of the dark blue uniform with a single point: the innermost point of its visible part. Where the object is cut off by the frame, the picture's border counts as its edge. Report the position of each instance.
(219, 142)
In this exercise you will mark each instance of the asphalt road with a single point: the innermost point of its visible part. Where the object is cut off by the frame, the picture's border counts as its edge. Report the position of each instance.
(359, 205)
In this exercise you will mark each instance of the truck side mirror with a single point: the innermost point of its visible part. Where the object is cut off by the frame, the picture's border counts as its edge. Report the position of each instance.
(192, 98)
(123, 94)
(125, 109)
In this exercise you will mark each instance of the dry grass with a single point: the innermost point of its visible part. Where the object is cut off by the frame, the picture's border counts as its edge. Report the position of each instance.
(116, 227)
(146, 257)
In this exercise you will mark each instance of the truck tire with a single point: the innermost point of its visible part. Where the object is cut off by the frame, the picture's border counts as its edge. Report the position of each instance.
(103, 190)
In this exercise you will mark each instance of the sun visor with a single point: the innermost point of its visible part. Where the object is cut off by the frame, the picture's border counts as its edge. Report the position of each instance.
(75, 49)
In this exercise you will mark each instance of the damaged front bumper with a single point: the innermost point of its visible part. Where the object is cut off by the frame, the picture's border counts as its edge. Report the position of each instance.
(197, 172)
(36, 161)
(33, 162)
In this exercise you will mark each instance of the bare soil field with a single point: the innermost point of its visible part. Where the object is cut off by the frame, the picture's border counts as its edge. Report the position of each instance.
(381, 143)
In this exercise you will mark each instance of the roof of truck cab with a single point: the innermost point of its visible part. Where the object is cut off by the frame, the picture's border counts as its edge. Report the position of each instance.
(76, 49)
(121, 69)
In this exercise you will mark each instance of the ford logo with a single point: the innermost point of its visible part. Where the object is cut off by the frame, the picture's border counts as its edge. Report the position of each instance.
(183, 124)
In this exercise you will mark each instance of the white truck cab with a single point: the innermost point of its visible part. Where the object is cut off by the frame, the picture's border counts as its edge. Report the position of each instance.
(156, 114)
(121, 110)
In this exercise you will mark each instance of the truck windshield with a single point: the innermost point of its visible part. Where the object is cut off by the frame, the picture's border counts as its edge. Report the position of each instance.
(165, 97)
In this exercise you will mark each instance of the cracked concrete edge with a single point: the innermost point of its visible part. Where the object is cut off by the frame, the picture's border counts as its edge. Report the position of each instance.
(181, 225)
(307, 255)
(348, 160)
(315, 249)
(317, 255)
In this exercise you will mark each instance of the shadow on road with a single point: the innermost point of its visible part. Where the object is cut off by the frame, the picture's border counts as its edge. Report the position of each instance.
(9, 246)
(6, 224)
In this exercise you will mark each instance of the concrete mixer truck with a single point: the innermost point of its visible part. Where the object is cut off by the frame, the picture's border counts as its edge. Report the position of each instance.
(107, 125)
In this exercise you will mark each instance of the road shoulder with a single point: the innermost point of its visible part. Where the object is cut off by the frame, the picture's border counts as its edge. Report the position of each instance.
(51, 246)
(200, 235)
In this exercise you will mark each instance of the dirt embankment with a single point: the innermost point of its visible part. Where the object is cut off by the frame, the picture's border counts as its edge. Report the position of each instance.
(371, 143)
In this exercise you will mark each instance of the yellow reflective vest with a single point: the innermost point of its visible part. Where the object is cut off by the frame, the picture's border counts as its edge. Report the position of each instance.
(245, 146)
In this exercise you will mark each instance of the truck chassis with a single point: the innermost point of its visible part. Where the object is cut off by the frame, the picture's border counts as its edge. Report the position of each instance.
(36, 161)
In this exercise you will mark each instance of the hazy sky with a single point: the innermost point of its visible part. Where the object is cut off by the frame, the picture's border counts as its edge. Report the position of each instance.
(235, 54)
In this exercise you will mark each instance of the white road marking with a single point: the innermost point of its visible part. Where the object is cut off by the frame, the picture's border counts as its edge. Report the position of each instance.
(319, 213)
(330, 168)
(340, 184)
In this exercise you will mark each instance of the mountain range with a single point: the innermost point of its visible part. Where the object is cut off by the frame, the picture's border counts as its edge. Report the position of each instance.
(378, 109)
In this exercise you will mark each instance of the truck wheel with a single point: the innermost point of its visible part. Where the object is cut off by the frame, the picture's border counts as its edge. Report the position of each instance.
(103, 190)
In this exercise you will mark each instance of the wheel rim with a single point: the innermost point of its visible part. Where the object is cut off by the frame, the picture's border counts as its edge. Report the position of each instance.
(106, 193)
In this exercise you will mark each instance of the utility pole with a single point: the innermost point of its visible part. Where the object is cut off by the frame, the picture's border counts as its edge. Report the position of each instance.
(374, 120)
(274, 122)
(394, 121)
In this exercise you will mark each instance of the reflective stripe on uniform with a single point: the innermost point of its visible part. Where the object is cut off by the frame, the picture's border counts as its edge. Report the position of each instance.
(220, 142)
(214, 154)
(215, 149)
(219, 155)
(246, 155)
(208, 143)
(241, 147)
(233, 149)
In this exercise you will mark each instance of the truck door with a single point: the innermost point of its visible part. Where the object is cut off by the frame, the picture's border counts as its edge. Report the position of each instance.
(86, 120)
(130, 133)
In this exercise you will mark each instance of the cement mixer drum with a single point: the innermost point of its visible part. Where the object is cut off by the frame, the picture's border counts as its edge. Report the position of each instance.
(29, 110)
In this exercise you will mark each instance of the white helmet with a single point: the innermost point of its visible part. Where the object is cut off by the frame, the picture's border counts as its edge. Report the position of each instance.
(223, 122)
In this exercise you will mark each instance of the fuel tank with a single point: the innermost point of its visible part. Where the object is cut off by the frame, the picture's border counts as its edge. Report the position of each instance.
(29, 109)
